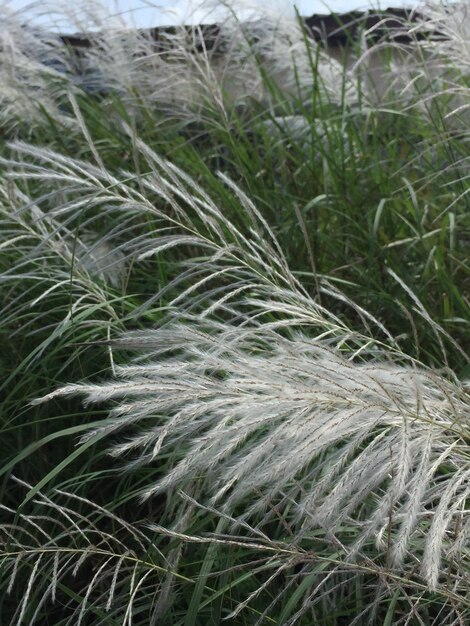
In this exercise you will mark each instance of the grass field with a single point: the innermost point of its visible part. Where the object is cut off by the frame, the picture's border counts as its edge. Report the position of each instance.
(234, 326)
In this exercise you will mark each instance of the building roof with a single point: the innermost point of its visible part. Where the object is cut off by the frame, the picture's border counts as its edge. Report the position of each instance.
(333, 30)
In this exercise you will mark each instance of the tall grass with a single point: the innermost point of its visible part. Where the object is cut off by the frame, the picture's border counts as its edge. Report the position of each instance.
(262, 295)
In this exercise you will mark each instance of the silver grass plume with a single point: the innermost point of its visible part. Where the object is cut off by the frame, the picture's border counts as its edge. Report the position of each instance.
(392, 74)
(262, 397)
(74, 536)
(450, 55)
(264, 419)
(429, 72)
(41, 238)
(35, 73)
(60, 264)
(255, 51)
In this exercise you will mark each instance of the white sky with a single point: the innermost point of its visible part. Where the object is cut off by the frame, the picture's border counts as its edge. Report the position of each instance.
(148, 13)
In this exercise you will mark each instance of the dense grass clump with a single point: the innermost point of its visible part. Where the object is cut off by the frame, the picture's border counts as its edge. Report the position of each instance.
(253, 268)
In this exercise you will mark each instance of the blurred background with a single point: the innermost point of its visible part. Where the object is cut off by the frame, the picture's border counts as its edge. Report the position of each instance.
(148, 13)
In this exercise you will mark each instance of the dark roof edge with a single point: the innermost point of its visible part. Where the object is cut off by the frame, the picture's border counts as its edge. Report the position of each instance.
(333, 30)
